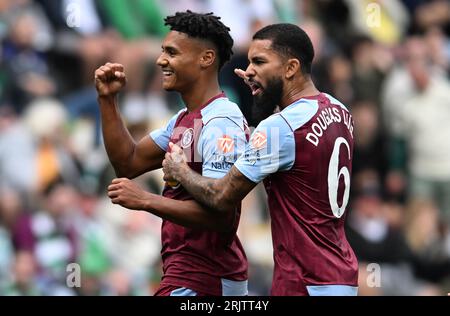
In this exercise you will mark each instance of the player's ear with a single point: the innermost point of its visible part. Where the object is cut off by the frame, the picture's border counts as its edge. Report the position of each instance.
(207, 58)
(292, 67)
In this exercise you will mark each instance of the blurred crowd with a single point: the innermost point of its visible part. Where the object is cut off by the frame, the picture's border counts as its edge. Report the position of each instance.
(387, 60)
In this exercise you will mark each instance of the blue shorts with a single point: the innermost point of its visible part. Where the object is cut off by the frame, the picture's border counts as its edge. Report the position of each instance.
(229, 288)
(332, 290)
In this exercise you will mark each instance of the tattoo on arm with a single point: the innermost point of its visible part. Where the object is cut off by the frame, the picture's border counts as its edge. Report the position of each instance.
(218, 194)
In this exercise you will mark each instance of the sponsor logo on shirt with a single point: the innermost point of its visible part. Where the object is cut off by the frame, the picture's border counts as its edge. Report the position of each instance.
(225, 144)
(187, 138)
(259, 140)
(224, 165)
(220, 161)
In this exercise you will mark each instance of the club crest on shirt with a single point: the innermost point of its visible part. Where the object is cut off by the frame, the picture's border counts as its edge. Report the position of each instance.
(259, 140)
(225, 144)
(187, 138)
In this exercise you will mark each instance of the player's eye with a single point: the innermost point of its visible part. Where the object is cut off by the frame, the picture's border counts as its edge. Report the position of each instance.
(169, 51)
(257, 61)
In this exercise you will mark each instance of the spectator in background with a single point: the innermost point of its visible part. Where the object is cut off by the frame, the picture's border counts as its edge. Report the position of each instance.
(423, 120)
(424, 230)
(338, 77)
(439, 48)
(383, 21)
(371, 151)
(131, 241)
(17, 153)
(335, 18)
(38, 40)
(410, 80)
(50, 235)
(27, 68)
(370, 63)
(428, 14)
(46, 119)
(10, 210)
(79, 31)
(24, 277)
(88, 33)
(376, 240)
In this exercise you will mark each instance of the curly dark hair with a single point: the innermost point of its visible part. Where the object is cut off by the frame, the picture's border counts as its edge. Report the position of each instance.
(289, 40)
(205, 26)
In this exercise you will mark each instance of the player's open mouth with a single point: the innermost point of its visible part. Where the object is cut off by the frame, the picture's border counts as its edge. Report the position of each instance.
(256, 87)
(167, 73)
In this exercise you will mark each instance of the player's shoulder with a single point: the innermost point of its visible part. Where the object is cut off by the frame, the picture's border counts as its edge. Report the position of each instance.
(294, 115)
(221, 108)
(223, 112)
(275, 119)
(274, 125)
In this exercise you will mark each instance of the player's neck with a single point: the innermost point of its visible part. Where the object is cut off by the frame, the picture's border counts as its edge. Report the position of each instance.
(300, 90)
(200, 93)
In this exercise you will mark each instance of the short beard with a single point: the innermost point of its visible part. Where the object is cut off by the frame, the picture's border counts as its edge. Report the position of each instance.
(265, 103)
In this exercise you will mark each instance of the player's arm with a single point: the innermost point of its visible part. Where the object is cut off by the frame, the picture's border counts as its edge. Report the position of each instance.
(128, 158)
(266, 153)
(128, 194)
(219, 195)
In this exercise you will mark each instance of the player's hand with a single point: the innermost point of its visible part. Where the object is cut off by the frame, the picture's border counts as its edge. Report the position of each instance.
(128, 194)
(241, 73)
(174, 164)
(110, 79)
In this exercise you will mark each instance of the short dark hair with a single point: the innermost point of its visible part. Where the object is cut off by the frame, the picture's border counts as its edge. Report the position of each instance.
(205, 26)
(290, 41)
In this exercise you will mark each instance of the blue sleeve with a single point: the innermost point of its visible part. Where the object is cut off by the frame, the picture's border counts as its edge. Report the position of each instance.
(162, 136)
(222, 141)
(271, 149)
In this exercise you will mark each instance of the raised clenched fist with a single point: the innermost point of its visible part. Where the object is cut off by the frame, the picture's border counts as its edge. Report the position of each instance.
(109, 79)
